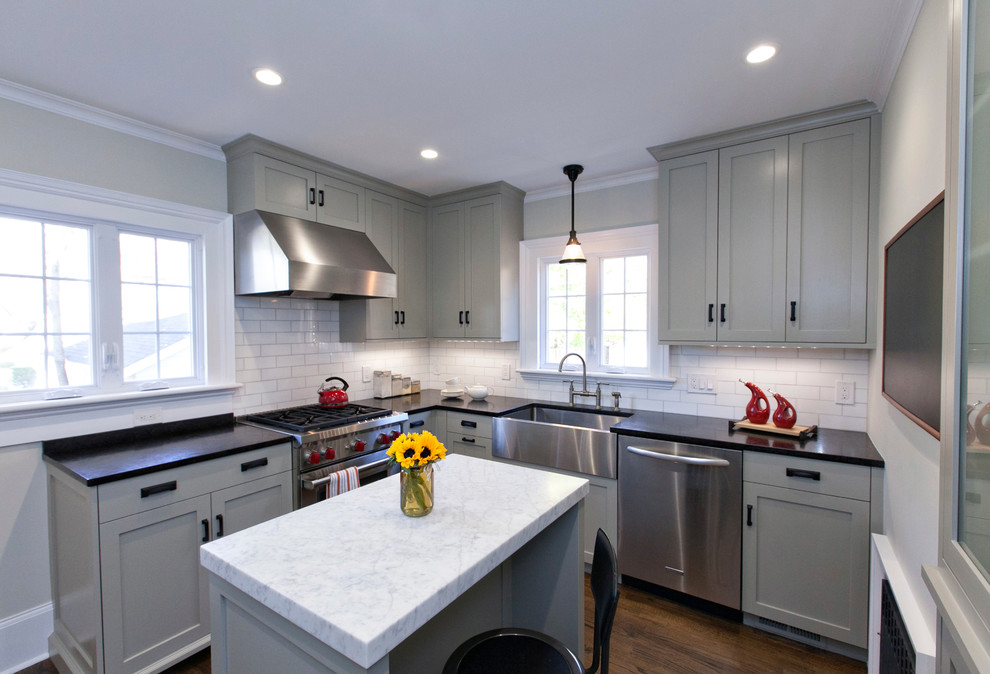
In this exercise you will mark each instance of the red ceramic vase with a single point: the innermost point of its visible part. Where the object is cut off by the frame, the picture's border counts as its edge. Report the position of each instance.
(758, 409)
(785, 415)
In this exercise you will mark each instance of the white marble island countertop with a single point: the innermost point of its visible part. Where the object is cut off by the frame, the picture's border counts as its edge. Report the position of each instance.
(361, 577)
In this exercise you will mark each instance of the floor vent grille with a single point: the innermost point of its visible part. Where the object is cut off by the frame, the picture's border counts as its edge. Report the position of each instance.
(803, 635)
(896, 650)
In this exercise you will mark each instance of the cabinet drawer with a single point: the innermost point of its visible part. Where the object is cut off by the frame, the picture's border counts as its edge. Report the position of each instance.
(137, 494)
(469, 424)
(469, 445)
(821, 477)
(433, 421)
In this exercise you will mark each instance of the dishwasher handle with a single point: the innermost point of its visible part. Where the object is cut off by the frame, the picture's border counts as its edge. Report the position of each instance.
(690, 460)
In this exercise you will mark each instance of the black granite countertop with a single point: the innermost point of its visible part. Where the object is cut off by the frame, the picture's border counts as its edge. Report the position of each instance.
(829, 445)
(116, 455)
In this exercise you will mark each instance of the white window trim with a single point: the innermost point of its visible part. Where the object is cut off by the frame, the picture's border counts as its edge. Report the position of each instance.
(530, 252)
(215, 230)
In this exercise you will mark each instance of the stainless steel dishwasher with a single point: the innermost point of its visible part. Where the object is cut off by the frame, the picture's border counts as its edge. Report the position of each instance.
(680, 517)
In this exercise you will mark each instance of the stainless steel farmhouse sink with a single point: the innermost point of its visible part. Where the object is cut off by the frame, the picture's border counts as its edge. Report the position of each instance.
(568, 439)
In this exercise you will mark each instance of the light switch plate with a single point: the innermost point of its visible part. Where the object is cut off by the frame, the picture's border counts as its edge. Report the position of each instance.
(365, 373)
(701, 383)
(506, 371)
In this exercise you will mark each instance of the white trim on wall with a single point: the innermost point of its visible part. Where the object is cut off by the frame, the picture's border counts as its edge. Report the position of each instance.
(24, 638)
(108, 120)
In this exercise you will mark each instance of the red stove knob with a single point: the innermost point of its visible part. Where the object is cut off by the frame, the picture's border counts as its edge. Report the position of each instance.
(359, 446)
(395, 434)
(383, 439)
(314, 457)
(330, 453)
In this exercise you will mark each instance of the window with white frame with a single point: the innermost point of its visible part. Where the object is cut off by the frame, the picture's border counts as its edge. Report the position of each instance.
(95, 307)
(604, 310)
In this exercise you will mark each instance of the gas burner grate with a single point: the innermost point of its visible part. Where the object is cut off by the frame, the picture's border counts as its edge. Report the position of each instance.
(315, 417)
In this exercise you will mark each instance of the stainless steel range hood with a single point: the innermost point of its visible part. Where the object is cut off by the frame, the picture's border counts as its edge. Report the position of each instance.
(277, 255)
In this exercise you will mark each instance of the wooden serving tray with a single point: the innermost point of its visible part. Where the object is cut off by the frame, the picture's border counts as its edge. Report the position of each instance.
(801, 432)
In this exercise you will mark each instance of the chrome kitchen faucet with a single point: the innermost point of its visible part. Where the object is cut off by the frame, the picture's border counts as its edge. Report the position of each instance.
(597, 395)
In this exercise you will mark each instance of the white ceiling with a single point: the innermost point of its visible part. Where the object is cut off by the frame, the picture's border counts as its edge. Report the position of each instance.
(504, 89)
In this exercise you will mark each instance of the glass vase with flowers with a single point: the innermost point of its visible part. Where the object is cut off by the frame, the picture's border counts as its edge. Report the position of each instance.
(415, 454)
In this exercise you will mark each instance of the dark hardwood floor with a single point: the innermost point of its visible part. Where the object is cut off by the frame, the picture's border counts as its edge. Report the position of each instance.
(654, 635)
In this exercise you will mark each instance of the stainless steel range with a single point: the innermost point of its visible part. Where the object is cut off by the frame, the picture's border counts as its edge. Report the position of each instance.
(329, 439)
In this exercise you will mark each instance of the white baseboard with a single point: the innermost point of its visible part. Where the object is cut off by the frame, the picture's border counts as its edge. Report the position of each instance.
(24, 638)
(884, 564)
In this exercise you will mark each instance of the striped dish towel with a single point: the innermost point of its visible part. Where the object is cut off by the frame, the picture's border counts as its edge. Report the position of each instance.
(343, 480)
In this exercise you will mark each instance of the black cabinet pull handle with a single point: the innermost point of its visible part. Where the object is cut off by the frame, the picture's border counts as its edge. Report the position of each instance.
(257, 463)
(810, 474)
(396, 317)
(467, 317)
(219, 526)
(416, 424)
(749, 516)
(321, 198)
(158, 488)
(722, 313)
(312, 195)
(460, 318)
(403, 321)
(206, 531)
(469, 424)
(711, 313)
(793, 311)
(471, 440)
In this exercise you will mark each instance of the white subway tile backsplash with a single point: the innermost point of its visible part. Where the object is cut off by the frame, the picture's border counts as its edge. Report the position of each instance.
(286, 348)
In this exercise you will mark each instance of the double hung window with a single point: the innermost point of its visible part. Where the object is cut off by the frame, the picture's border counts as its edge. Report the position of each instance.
(96, 307)
(604, 310)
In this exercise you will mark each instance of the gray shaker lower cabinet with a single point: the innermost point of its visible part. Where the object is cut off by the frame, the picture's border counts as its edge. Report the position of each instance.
(806, 547)
(128, 589)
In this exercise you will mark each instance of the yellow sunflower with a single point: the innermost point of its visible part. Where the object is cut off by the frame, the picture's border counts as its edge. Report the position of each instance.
(415, 450)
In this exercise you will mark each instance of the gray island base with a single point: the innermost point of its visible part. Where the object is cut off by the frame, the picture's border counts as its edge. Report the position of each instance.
(352, 585)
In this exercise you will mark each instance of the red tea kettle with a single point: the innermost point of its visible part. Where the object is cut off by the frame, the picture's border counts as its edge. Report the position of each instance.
(332, 396)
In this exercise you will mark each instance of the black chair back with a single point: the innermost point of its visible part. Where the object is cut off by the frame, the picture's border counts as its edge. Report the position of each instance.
(605, 590)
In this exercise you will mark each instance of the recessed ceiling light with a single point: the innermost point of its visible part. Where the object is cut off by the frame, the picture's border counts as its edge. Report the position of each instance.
(429, 154)
(268, 76)
(761, 53)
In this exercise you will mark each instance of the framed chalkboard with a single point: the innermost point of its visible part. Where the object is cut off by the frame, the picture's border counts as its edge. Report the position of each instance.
(912, 317)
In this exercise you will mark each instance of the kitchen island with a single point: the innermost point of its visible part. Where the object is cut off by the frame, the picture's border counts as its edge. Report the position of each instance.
(351, 584)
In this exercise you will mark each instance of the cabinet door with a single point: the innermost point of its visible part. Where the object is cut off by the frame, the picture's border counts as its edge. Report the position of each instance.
(155, 596)
(447, 270)
(340, 203)
(752, 239)
(412, 268)
(382, 216)
(484, 288)
(828, 233)
(244, 505)
(688, 209)
(806, 560)
(283, 188)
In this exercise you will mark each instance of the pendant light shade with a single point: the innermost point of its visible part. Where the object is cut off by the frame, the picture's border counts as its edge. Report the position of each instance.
(572, 250)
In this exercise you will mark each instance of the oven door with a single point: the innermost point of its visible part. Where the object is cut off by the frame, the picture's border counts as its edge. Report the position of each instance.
(311, 486)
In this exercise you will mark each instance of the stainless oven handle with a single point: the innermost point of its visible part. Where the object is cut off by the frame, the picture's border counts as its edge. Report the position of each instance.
(313, 484)
(692, 460)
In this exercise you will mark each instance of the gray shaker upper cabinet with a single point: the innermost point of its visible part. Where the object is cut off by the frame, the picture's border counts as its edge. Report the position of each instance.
(769, 241)
(474, 269)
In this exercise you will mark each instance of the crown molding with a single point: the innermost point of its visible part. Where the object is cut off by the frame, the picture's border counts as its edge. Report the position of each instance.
(893, 49)
(82, 112)
(594, 184)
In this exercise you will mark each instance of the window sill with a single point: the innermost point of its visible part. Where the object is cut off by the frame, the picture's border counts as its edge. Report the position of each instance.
(652, 381)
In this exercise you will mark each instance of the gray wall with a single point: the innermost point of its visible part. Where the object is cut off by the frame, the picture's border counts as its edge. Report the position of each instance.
(620, 206)
(912, 173)
(47, 144)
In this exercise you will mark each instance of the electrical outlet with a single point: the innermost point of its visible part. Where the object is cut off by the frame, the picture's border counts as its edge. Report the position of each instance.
(149, 415)
(506, 371)
(693, 383)
(845, 393)
(365, 373)
(701, 383)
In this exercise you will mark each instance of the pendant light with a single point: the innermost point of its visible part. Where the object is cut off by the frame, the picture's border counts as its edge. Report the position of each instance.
(572, 250)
